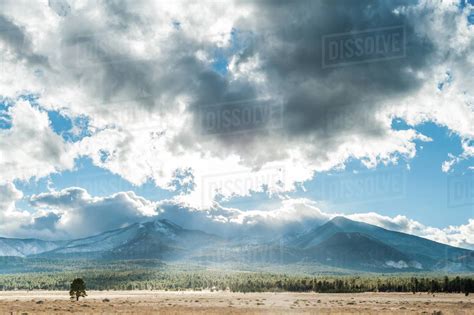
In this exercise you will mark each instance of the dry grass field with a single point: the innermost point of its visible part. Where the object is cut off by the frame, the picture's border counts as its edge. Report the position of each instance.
(192, 302)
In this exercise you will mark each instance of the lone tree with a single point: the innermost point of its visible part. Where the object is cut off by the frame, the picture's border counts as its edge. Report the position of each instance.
(78, 289)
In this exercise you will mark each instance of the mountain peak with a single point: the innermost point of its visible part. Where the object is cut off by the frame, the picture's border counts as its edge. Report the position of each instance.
(168, 224)
(340, 220)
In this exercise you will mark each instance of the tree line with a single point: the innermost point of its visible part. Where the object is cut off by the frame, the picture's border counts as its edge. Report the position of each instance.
(235, 281)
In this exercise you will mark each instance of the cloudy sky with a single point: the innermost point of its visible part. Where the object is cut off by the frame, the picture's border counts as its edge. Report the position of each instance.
(236, 116)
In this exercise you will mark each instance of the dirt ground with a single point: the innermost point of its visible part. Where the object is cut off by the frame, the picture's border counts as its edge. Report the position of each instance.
(189, 302)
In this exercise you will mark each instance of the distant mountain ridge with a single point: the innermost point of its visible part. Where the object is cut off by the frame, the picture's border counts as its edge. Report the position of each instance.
(155, 239)
(425, 251)
(25, 247)
(360, 251)
(339, 243)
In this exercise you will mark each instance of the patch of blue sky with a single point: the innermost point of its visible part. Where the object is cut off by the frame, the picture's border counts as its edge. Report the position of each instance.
(399, 124)
(239, 40)
(220, 61)
(5, 118)
(71, 129)
(462, 6)
(59, 123)
(6, 103)
(470, 18)
(464, 3)
(220, 55)
(416, 188)
(33, 99)
(97, 181)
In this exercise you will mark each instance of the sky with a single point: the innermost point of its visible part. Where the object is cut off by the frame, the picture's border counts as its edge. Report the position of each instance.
(237, 117)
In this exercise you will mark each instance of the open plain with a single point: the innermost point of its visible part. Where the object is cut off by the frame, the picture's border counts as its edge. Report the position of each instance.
(206, 302)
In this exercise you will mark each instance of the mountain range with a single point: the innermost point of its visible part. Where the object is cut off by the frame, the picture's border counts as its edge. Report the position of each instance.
(338, 243)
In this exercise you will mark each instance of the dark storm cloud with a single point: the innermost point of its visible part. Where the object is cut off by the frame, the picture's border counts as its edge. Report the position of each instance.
(119, 63)
(124, 11)
(103, 62)
(61, 7)
(288, 38)
(46, 222)
(67, 197)
(102, 55)
(19, 42)
(320, 105)
(290, 44)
